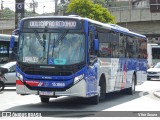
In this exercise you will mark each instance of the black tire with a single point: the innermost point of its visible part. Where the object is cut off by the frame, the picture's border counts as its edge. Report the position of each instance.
(93, 100)
(148, 78)
(44, 99)
(131, 90)
(2, 85)
(102, 85)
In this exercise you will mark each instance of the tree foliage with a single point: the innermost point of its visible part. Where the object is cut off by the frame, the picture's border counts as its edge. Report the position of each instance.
(7, 14)
(86, 8)
(10, 14)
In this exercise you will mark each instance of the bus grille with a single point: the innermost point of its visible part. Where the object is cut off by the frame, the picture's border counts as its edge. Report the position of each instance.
(48, 73)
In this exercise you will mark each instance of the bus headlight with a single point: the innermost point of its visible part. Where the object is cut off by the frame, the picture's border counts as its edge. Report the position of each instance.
(19, 76)
(78, 78)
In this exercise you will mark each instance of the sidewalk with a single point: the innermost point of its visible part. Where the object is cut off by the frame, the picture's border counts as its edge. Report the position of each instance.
(157, 93)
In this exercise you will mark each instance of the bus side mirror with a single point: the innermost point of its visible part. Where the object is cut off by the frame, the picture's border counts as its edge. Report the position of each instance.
(96, 44)
(12, 39)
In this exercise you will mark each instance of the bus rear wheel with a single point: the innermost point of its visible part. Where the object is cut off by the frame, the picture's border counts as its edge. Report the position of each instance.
(102, 93)
(94, 100)
(44, 99)
(131, 90)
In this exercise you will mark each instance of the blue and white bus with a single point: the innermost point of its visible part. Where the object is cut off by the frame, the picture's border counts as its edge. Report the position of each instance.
(76, 56)
(5, 52)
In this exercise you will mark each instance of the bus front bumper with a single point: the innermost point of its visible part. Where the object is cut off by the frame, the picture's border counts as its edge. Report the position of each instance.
(79, 89)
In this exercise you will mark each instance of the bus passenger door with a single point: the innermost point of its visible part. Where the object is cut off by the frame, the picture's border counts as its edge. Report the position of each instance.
(92, 79)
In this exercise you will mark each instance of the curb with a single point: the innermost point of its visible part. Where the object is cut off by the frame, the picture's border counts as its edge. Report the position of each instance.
(157, 94)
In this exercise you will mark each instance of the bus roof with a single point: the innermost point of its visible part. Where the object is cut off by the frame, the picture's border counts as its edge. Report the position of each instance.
(112, 27)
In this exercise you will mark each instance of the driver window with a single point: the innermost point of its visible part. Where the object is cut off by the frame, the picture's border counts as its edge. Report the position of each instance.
(91, 49)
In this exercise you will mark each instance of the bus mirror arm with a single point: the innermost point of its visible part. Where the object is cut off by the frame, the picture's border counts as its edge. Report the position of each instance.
(13, 54)
(93, 59)
(12, 39)
(16, 32)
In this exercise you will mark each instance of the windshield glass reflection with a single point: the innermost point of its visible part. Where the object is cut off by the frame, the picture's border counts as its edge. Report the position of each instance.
(52, 48)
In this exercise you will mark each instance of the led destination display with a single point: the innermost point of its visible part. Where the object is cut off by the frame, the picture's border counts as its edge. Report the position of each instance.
(66, 24)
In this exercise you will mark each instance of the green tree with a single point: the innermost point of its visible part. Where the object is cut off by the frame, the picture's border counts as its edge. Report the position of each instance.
(7, 13)
(86, 8)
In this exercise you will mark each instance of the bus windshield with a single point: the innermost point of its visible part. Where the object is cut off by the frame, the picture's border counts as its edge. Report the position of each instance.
(61, 48)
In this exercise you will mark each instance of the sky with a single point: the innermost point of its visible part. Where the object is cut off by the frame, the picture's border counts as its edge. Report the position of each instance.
(44, 6)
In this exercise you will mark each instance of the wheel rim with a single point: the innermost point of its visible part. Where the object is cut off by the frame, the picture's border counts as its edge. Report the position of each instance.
(133, 83)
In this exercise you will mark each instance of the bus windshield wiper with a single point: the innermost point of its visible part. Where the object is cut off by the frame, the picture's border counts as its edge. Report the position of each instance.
(39, 38)
(42, 43)
(58, 40)
(61, 37)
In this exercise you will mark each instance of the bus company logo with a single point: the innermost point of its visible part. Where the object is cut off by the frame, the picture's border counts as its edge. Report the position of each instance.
(46, 84)
(41, 84)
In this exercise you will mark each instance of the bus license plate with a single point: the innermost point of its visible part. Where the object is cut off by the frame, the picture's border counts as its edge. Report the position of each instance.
(48, 93)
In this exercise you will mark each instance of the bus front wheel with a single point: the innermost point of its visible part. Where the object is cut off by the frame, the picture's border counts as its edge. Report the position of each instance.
(94, 100)
(44, 99)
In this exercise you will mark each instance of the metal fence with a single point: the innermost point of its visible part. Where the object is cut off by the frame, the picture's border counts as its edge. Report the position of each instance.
(122, 8)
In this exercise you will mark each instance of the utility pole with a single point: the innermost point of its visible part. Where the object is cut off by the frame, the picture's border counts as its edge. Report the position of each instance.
(130, 4)
(2, 5)
(19, 12)
(56, 12)
(1, 12)
(33, 6)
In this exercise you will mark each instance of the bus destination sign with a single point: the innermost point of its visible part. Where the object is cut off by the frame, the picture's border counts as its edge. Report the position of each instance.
(66, 24)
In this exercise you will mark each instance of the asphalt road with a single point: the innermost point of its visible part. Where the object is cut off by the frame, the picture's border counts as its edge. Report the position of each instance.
(142, 100)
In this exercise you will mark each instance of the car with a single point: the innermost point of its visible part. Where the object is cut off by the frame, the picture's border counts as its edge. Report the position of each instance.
(11, 74)
(154, 72)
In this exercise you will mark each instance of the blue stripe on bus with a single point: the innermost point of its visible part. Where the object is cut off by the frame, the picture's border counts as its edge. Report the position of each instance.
(86, 28)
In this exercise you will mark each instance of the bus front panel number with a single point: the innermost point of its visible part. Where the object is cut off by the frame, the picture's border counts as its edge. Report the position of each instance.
(56, 84)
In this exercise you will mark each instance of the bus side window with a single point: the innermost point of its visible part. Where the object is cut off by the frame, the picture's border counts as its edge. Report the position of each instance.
(104, 45)
(122, 45)
(91, 49)
(135, 47)
(114, 38)
(142, 46)
(131, 47)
